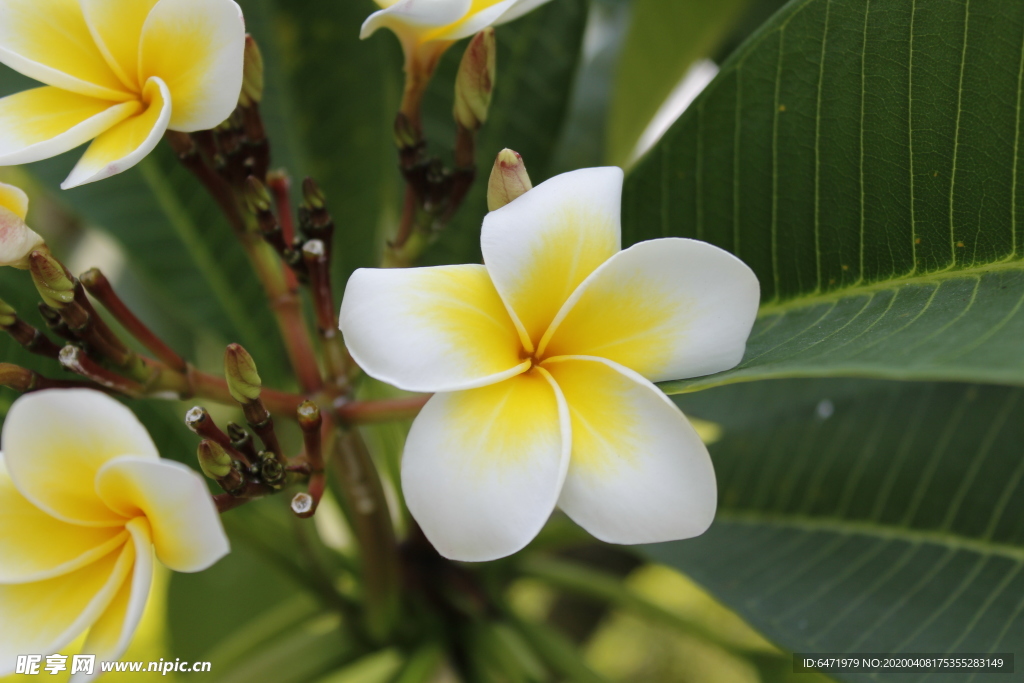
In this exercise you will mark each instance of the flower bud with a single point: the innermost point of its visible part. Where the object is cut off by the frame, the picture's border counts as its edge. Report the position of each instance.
(16, 377)
(312, 195)
(240, 371)
(17, 240)
(52, 280)
(213, 459)
(252, 74)
(475, 81)
(8, 315)
(508, 180)
(257, 196)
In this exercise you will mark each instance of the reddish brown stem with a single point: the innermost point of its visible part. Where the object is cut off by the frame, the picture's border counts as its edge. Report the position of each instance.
(279, 186)
(32, 339)
(76, 360)
(98, 285)
(382, 410)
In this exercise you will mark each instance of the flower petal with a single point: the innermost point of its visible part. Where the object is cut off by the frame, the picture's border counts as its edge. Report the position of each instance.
(111, 634)
(639, 473)
(14, 199)
(44, 616)
(518, 10)
(17, 240)
(411, 17)
(49, 41)
(127, 143)
(197, 48)
(482, 468)
(430, 329)
(540, 247)
(482, 14)
(187, 532)
(43, 122)
(668, 309)
(56, 440)
(116, 27)
(35, 546)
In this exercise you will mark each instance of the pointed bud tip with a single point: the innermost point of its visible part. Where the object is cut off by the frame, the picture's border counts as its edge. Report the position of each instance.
(474, 83)
(213, 459)
(312, 194)
(509, 180)
(7, 314)
(240, 371)
(257, 195)
(52, 280)
(252, 74)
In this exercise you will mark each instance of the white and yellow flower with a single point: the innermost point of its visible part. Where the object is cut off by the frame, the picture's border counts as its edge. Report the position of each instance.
(117, 72)
(17, 240)
(543, 361)
(85, 500)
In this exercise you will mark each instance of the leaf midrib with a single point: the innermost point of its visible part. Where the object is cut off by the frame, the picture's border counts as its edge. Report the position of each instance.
(874, 530)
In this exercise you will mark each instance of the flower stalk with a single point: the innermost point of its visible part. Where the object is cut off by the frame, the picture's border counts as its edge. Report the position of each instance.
(32, 339)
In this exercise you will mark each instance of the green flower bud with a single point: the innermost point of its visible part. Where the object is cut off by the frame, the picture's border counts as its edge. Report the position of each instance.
(475, 81)
(252, 74)
(214, 460)
(7, 314)
(240, 371)
(509, 180)
(54, 282)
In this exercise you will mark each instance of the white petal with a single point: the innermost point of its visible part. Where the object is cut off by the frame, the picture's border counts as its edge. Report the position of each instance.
(482, 468)
(430, 329)
(45, 616)
(668, 309)
(14, 200)
(187, 531)
(540, 247)
(48, 40)
(35, 546)
(414, 16)
(111, 634)
(196, 47)
(127, 143)
(639, 472)
(519, 9)
(17, 240)
(56, 440)
(43, 122)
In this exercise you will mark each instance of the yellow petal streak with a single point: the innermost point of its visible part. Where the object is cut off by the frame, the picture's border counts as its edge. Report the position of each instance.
(116, 26)
(48, 40)
(34, 545)
(44, 616)
(606, 430)
(475, 7)
(627, 319)
(572, 249)
(39, 115)
(14, 200)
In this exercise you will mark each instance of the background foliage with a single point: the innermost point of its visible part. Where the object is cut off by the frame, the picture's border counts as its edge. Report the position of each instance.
(861, 155)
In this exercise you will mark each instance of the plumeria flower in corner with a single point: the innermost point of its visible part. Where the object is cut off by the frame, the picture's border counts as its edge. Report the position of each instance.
(543, 361)
(85, 500)
(17, 240)
(117, 72)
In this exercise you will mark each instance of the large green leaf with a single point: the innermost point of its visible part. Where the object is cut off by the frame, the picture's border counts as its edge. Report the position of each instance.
(862, 158)
(867, 516)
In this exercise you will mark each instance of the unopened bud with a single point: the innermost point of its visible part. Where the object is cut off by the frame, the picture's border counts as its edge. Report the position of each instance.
(16, 377)
(252, 74)
(7, 314)
(52, 280)
(214, 460)
(240, 371)
(271, 471)
(257, 195)
(17, 240)
(475, 81)
(312, 195)
(406, 136)
(509, 180)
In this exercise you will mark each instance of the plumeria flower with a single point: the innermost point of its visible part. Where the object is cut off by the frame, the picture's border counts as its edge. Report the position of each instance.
(427, 27)
(543, 361)
(85, 500)
(17, 240)
(117, 72)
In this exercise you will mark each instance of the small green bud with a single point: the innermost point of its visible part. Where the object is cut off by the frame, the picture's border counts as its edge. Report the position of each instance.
(475, 81)
(312, 194)
(406, 136)
(52, 280)
(214, 460)
(7, 314)
(257, 195)
(252, 74)
(271, 471)
(240, 371)
(509, 180)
